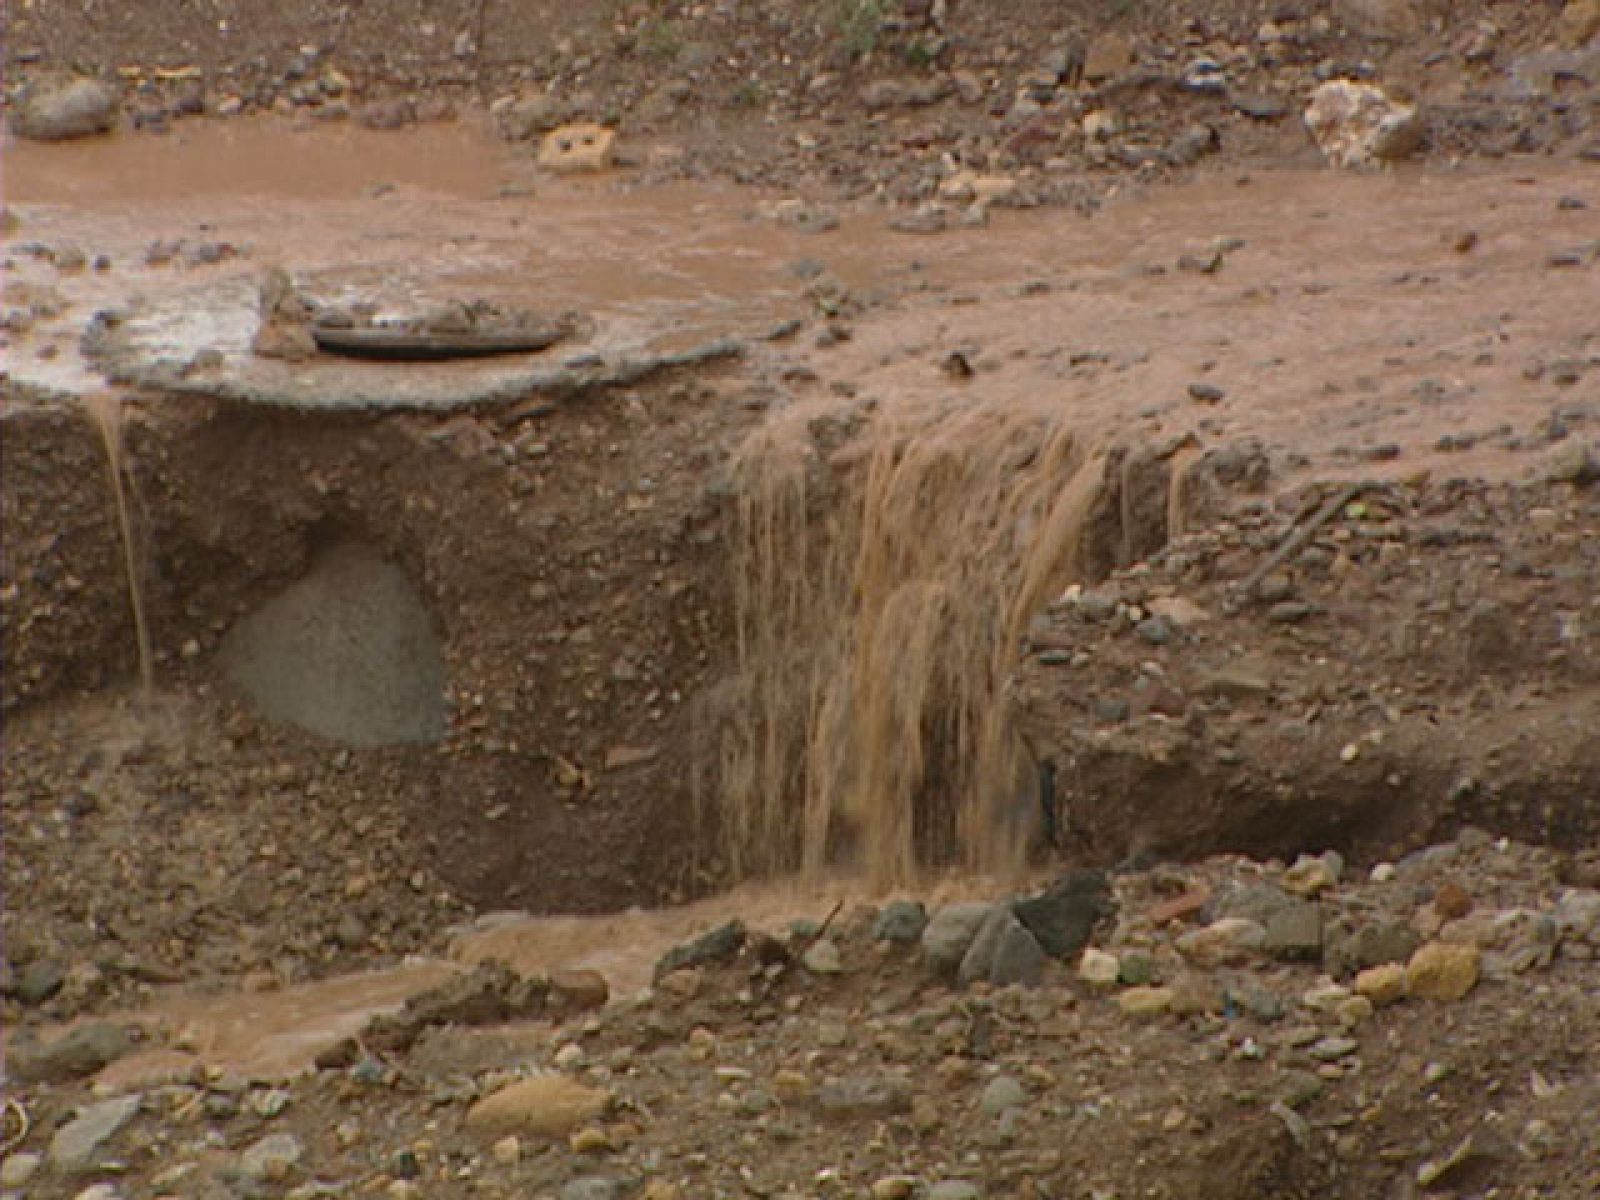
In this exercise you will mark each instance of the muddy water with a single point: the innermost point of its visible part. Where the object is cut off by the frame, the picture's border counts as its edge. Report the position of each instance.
(1345, 326)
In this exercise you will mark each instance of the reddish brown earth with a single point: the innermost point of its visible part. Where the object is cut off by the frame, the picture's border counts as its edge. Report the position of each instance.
(1226, 345)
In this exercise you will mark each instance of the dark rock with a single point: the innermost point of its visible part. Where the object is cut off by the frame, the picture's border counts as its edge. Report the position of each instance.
(1063, 917)
(719, 945)
(40, 980)
(1156, 631)
(1345, 951)
(489, 994)
(1003, 953)
(79, 1052)
(900, 921)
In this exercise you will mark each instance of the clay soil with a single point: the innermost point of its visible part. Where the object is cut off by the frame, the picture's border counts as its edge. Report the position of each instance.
(1336, 590)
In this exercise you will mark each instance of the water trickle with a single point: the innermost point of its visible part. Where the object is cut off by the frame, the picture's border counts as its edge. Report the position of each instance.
(881, 595)
(105, 410)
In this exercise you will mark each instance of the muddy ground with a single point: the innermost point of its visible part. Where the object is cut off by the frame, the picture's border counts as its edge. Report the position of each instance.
(1251, 506)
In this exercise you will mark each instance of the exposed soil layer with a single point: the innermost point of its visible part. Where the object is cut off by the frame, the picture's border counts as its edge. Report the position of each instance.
(1127, 522)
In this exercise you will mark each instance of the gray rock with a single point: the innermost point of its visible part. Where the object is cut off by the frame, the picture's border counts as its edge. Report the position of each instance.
(1002, 953)
(77, 1145)
(1003, 1093)
(271, 1158)
(1298, 1088)
(1155, 631)
(591, 1187)
(1294, 934)
(1331, 1049)
(901, 922)
(720, 945)
(1259, 105)
(1258, 902)
(822, 958)
(949, 934)
(518, 118)
(1346, 952)
(1577, 914)
(18, 1168)
(1063, 917)
(1259, 1002)
(76, 1053)
(859, 1096)
(40, 980)
(55, 109)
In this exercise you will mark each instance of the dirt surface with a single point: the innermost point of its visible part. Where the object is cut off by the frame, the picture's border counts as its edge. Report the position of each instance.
(1065, 460)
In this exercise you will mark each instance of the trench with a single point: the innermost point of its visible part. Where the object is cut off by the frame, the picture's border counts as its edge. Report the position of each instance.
(657, 628)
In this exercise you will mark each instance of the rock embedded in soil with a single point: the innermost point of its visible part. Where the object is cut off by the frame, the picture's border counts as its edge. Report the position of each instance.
(863, 1097)
(1002, 1094)
(76, 1146)
(78, 1052)
(40, 980)
(950, 933)
(1063, 917)
(1442, 971)
(1360, 125)
(271, 1158)
(1383, 984)
(18, 1168)
(545, 1105)
(901, 922)
(1145, 1001)
(1002, 953)
(719, 945)
(57, 109)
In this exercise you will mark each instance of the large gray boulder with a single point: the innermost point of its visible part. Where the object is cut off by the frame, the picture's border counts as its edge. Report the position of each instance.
(57, 107)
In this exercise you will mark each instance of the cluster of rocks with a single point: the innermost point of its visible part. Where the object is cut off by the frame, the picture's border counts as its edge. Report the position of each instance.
(968, 87)
(984, 1041)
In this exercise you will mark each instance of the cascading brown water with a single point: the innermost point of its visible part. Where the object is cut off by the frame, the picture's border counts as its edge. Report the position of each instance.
(105, 411)
(881, 591)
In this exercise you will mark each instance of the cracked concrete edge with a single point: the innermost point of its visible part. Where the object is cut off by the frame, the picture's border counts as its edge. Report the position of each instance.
(335, 387)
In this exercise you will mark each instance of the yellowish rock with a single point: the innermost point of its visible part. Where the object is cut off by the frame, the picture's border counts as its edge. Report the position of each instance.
(546, 1105)
(1099, 967)
(580, 147)
(1578, 23)
(660, 1189)
(1145, 1002)
(1353, 1010)
(1107, 55)
(508, 1150)
(591, 1139)
(896, 1187)
(1442, 971)
(791, 1084)
(1382, 984)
